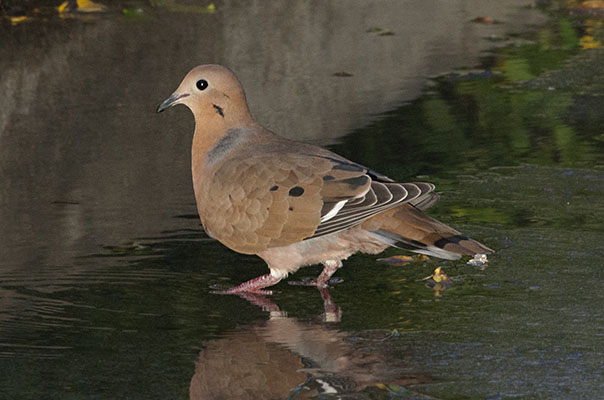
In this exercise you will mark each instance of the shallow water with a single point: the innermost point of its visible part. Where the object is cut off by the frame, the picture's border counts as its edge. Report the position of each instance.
(105, 273)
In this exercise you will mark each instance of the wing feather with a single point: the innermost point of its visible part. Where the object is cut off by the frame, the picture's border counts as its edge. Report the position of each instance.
(263, 199)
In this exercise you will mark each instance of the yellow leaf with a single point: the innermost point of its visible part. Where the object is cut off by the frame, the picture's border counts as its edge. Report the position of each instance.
(18, 20)
(90, 6)
(61, 8)
(588, 42)
(438, 276)
(401, 260)
(592, 4)
(87, 6)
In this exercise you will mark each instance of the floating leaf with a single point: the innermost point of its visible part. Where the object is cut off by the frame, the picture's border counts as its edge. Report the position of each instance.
(19, 19)
(592, 4)
(63, 7)
(438, 281)
(86, 6)
(134, 12)
(400, 260)
(485, 20)
(438, 276)
(479, 260)
(172, 5)
(588, 42)
(342, 74)
(90, 6)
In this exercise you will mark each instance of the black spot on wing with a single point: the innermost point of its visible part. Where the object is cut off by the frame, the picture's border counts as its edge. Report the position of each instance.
(274, 188)
(296, 191)
(356, 181)
(328, 178)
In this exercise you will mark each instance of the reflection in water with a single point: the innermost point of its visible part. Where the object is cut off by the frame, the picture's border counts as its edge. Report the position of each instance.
(285, 357)
(84, 163)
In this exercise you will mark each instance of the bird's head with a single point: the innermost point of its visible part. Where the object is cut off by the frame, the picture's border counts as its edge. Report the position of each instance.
(212, 92)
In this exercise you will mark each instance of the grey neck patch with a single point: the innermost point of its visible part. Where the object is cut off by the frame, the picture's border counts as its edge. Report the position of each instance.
(232, 139)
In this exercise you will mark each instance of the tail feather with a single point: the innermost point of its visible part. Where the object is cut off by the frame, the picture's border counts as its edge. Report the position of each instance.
(400, 242)
(408, 228)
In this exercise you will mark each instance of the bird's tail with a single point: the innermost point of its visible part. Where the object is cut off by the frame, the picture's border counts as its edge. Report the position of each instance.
(408, 228)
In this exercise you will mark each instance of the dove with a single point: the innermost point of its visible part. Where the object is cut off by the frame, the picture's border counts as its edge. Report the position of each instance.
(295, 204)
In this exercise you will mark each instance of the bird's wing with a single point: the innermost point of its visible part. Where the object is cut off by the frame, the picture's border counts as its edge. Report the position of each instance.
(338, 214)
(264, 200)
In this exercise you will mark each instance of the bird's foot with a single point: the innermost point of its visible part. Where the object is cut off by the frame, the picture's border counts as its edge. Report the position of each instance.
(324, 279)
(318, 283)
(236, 290)
(255, 285)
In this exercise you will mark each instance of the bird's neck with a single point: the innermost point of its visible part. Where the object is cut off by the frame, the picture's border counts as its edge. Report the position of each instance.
(209, 130)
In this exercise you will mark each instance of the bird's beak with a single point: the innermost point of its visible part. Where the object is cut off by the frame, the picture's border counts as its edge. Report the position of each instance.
(170, 101)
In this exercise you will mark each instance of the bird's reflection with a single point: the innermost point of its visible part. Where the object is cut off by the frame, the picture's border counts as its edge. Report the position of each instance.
(284, 357)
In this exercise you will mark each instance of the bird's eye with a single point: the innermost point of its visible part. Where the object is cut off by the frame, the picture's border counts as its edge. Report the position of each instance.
(202, 84)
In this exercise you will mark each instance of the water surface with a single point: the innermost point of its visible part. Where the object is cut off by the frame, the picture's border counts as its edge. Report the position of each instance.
(105, 273)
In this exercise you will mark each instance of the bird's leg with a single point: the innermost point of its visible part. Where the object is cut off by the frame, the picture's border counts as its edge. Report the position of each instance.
(329, 268)
(253, 285)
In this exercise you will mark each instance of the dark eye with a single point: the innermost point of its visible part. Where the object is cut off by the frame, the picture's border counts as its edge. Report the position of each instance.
(202, 84)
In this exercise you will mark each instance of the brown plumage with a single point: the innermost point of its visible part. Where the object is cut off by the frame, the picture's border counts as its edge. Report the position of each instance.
(295, 204)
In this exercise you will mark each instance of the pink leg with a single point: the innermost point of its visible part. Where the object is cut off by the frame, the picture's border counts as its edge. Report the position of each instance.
(329, 268)
(253, 286)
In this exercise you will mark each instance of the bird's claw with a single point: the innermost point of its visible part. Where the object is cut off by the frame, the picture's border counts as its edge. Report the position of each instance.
(316, 283)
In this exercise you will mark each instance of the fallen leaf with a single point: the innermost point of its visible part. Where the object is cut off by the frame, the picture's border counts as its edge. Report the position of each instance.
(134, 12)
(421, 257)
(588, 42)
(438, 281)
(592, 4)
(439, 275)
(342, 74)
(86, 6)
(485, 20)
(172, 5)
(478, 260)
(18, 20)
(90, 6)
(400, 260)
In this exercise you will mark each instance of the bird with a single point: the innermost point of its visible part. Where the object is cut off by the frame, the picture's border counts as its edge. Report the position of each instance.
(291, 203)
